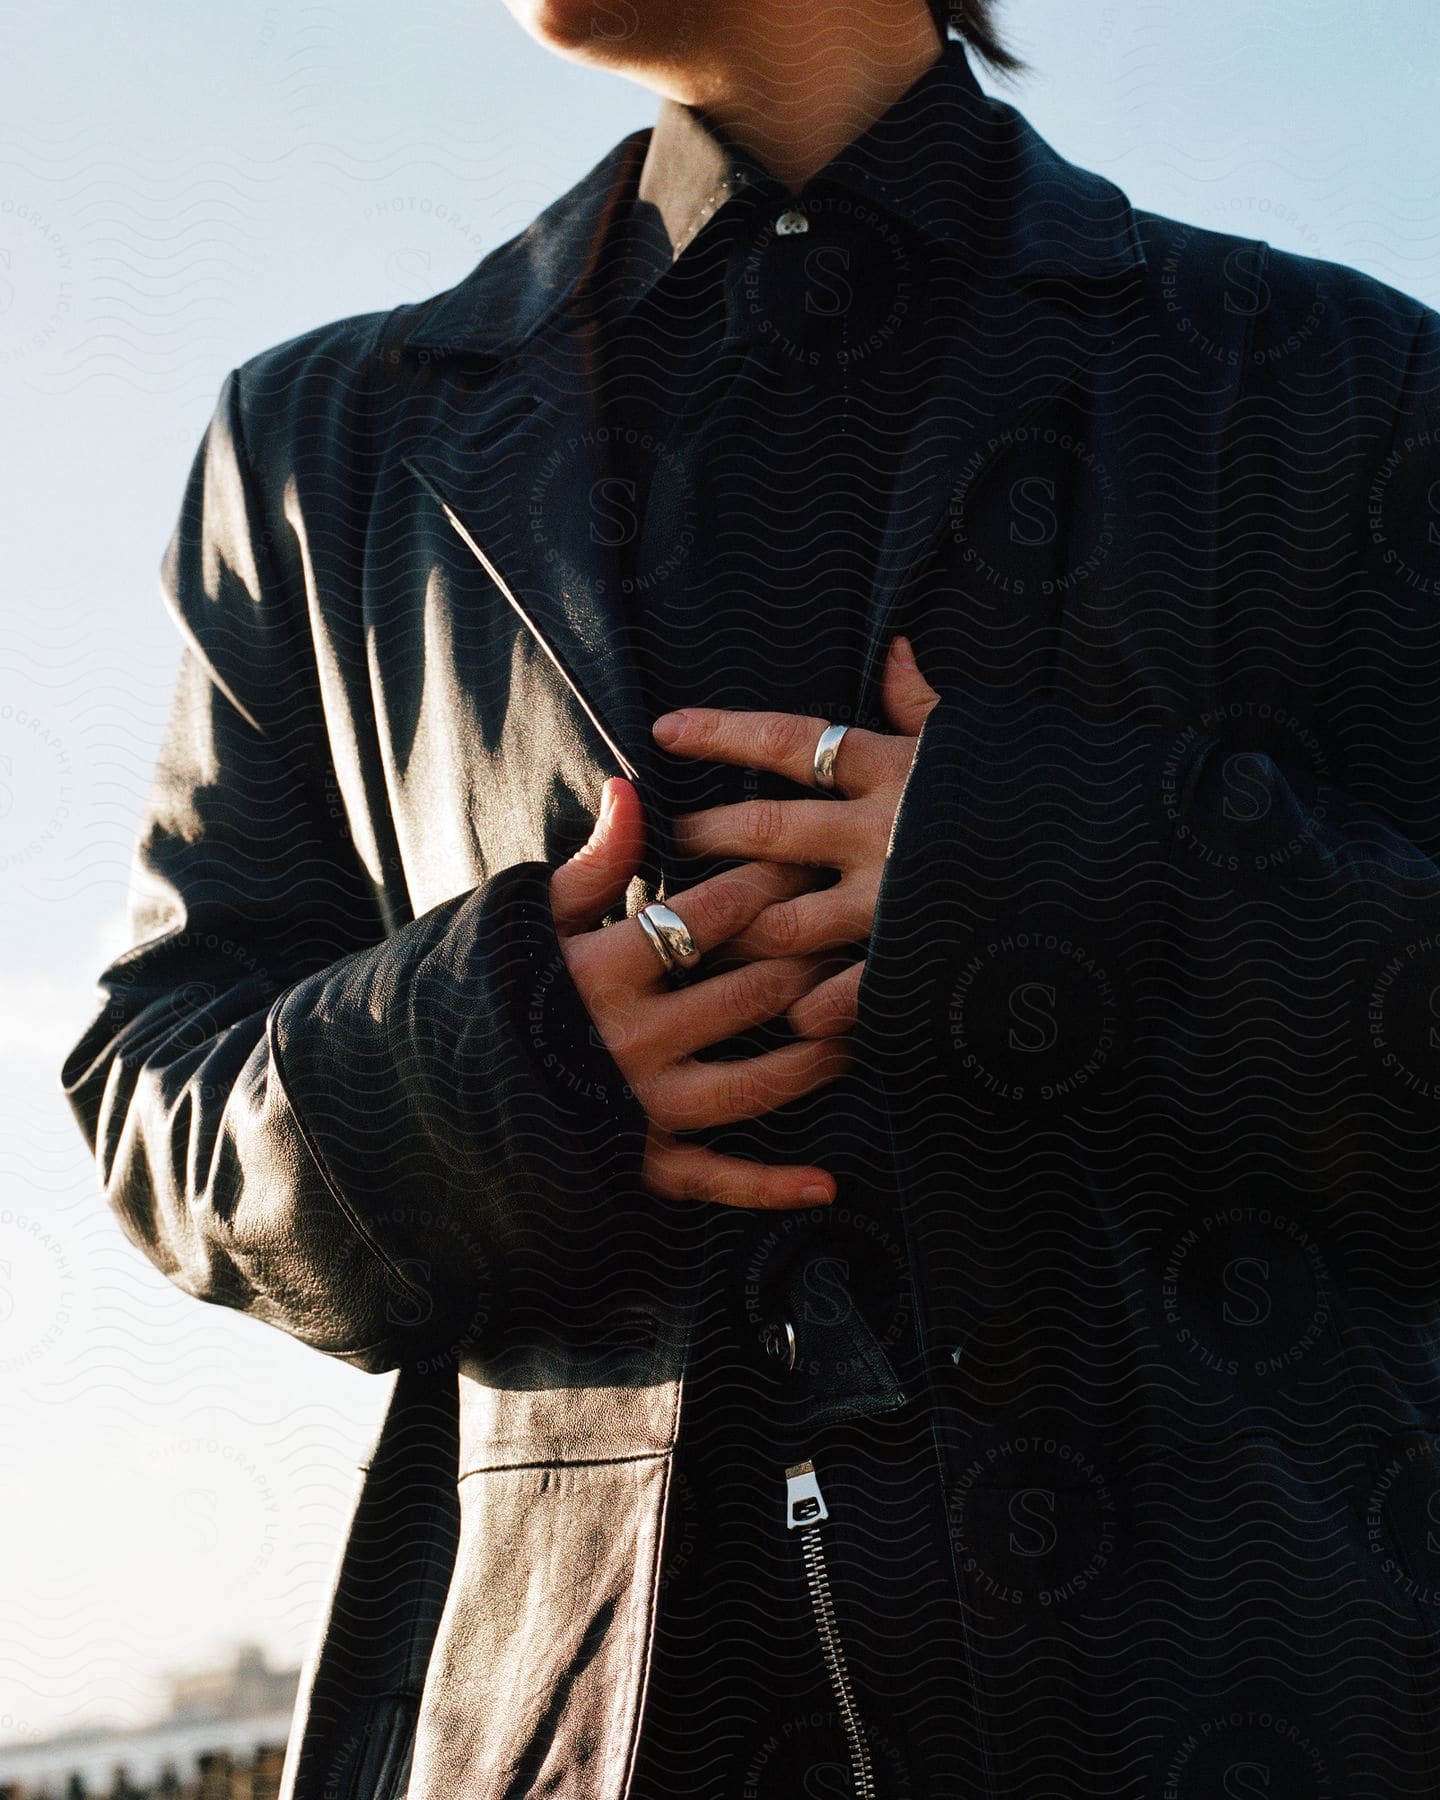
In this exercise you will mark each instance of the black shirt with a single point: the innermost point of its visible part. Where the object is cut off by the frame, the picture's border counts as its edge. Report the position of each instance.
(760, 359)
(762, 356)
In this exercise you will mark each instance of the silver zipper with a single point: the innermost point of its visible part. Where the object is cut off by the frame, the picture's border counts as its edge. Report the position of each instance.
(805, 1512)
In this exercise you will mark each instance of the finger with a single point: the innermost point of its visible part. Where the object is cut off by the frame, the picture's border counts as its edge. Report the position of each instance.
(781, 742)
(679, 1171)
(595, 878)
(713, 910)
(830, 1007)
(798, 831)
(692, 1095)
(710, 1011)
(825, 962)
(906, 695)
(819, 920)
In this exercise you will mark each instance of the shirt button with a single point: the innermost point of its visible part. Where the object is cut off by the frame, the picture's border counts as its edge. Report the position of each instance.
(791, 223)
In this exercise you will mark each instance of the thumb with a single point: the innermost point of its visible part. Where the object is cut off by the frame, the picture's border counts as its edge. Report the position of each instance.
(597, 875)
(907, 696)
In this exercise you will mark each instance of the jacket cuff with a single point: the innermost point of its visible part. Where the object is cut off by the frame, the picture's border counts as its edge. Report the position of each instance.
(551, 1025)
(466, 1114)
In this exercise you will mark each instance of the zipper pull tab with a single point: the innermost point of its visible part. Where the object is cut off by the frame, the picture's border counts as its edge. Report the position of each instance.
(804, 1503)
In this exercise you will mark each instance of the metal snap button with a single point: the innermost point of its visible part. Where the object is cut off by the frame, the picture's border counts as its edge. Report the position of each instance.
(791, 224)
(779, 1342)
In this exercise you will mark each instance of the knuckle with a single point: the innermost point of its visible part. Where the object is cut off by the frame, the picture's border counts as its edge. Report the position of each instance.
(741, 1091)
(781, 925)
(766, 819)
(777, 738)
(699, 909)
(732, 896)
(750, 990)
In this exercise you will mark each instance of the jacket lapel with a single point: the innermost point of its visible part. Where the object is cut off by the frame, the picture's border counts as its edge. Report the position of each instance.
(1039, 254)
(515, 488)
(960, 428)
(1035, 274)
(516, 475)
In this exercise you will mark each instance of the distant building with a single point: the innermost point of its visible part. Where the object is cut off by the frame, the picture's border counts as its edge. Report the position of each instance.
(247, 1687)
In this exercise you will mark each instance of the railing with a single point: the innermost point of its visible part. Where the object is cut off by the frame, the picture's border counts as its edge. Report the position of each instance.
(217, 1775)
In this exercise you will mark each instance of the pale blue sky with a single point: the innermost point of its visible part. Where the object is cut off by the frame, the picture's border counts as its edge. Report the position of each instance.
(180, 186)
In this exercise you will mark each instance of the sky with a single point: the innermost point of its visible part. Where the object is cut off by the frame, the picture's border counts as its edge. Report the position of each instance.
(180, 187)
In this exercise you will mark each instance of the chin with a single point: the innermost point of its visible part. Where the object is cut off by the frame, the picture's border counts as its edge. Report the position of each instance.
(593, 30)
(578, 27)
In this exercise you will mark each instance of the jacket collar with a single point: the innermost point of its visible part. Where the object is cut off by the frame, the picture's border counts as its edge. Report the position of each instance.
(1014, 210)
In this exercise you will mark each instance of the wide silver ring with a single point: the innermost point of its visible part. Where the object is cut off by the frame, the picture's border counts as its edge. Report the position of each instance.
(825, 753)
(670, 935)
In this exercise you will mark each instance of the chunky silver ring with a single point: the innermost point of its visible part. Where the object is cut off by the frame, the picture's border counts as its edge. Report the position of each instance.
(670, 935)
(825, 752)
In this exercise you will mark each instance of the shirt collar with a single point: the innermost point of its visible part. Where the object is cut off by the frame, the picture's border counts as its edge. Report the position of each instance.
(907, 162)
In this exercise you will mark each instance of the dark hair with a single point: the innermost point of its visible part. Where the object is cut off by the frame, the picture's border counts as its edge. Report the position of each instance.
(972, 20)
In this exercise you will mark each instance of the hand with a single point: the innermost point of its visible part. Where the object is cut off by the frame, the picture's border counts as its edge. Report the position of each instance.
(851, 835)
(652, 1030)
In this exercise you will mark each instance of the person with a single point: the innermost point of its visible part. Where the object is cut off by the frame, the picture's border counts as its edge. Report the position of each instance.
(906, 1245)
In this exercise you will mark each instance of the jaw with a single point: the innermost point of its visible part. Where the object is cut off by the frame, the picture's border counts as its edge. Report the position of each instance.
(626, 36)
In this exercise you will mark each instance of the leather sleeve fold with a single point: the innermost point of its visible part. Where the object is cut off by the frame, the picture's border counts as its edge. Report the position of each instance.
(395, 1145)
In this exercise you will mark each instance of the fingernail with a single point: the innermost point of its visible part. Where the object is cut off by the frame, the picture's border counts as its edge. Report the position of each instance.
(903, 651)
(668, 727)
(607, 799)
(815, 1194)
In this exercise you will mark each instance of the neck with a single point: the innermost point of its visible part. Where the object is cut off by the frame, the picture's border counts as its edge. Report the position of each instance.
(794, 83)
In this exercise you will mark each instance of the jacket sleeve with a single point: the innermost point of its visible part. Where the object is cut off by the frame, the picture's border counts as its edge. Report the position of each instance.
(394, 1145)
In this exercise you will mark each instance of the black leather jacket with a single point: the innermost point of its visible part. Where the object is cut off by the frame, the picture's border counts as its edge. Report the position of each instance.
(343, 1083)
